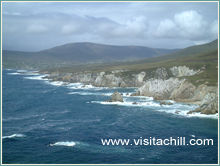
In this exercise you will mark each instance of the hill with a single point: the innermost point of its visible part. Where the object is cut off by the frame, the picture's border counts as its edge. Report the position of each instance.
(195, 57)
(79, 53)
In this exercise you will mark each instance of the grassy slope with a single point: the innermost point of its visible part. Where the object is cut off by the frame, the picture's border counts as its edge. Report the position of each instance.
(75, 53)
(194, 57)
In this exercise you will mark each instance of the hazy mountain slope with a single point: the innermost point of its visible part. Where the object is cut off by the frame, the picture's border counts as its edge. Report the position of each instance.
(195, 57)
(74, 53)
(99, 52)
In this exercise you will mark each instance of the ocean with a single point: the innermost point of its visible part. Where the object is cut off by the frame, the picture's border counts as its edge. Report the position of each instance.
(45, 122)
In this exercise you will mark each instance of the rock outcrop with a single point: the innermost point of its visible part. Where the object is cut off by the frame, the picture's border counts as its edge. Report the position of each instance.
(162, 102)
(115, 97)
(180, 71)
(182, 91)
(140, 78)
(161, 73)
(185, 90)
(161, 84)
(160, 89)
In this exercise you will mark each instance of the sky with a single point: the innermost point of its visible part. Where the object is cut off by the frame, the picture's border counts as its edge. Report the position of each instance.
(34, 26)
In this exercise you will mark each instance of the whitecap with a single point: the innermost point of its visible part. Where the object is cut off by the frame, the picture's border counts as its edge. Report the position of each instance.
(185, 109)
(199, 115)
(13, 136)
(129, 103)
(15, 73)
(21, 71)
(84, 86)
(56, 83)
(66, 143)
(82, 93)
(32, 73)
(39, 77)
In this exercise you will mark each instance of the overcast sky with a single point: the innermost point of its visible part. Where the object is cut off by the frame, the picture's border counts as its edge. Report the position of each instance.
(36, 26)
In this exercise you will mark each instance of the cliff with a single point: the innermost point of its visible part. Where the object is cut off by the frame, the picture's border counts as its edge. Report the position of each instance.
(162, 84)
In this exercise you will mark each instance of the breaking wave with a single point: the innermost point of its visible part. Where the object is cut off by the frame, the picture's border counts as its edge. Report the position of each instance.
(66, 143)
(13, 136)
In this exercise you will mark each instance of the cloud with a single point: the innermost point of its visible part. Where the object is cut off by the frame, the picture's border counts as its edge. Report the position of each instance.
(214, 28)
(166, 28)
(134, 27)
(188, 25)
(37, 28)
(70, 29)
(165, 25)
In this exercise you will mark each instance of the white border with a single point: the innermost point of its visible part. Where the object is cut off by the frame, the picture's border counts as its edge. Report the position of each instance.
(107, 2)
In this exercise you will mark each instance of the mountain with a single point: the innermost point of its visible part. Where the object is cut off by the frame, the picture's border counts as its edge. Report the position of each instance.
(90, 52)
(195, 57)
(75, 53)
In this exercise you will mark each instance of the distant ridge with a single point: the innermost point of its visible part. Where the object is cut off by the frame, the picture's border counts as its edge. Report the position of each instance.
(85, 52)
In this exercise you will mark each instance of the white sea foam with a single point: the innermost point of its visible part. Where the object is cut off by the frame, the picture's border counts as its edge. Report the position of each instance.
(36, 76)
(22, 71)
(39, 77)
(179, 109)
(32, 73)
(89, 93)
(56, 83)
(129, 103)
(66, 143)
(197, 114)
(15, 73)
(81, 93)
(13, 136)
(84, 87)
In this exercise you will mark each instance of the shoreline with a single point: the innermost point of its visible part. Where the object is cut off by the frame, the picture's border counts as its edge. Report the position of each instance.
(36, 75)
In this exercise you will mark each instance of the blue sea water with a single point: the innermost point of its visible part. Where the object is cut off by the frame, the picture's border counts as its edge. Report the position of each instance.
(51, 123)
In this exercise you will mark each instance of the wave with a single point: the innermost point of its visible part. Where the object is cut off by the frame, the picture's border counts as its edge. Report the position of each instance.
(56, 83)
(15, 73)
(89, 93)
(39, 77)
(196, 114)
(9, 69)
(22, 71)
(66, 143)
(84, 86)
(93, 148)
(129, 103)
(13, 136)
(177, 109)
(82, 93)
(46, 80)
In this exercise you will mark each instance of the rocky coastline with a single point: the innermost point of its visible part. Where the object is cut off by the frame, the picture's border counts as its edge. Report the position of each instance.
(161, 84)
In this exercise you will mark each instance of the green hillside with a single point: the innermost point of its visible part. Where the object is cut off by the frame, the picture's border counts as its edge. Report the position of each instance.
(201, 56)
(79, 53)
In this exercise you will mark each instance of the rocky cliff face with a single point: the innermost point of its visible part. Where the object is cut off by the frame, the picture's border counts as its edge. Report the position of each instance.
(162, 84)
(180, 71)
(181, 90)
(159, 89)
(102, 79)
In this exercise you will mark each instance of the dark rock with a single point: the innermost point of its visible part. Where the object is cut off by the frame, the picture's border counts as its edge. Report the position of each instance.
(210, 108)
(136, 93)
(165, 103)
(116, 96)
(177, 112)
